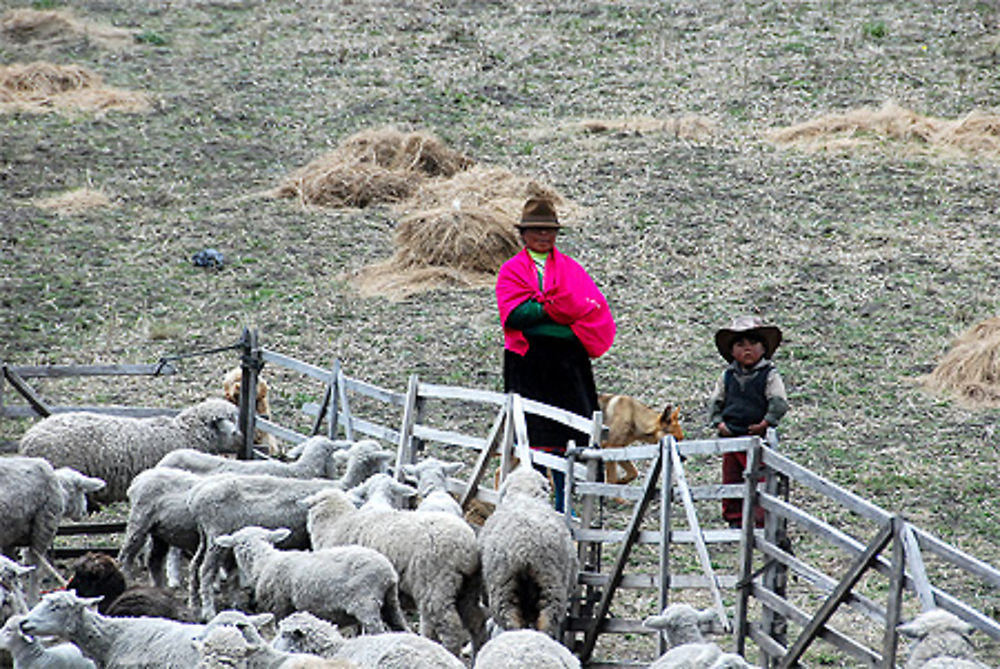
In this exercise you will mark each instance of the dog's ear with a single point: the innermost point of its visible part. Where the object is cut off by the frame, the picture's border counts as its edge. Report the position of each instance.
(667, 415)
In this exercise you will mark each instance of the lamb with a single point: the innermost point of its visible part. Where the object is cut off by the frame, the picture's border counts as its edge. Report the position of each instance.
(316, 460)
(99, 574)
(345, 585)
(113, 643)
(941, 641)
(158, 513)
(303, 632)
(12, 600)
(435, 555)
(232, 639)
(117, 448)
(381, 492)
(525, 649)
(431, 475)
(684, 628)
(29, 653)
(529, 561)
(223, 503)
(34, 498)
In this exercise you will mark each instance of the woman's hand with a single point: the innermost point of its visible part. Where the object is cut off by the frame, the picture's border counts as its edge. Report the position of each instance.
(759, 429)
(723, 430)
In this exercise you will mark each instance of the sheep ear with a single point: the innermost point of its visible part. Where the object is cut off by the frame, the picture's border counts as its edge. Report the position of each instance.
(21, 570)
(403, 489)
(90, 484)
(909, 629)
(452, 467)
(225, 540)
(655, 622)
(260, 620)
(410, 470)
(279, 535)
(385, 456)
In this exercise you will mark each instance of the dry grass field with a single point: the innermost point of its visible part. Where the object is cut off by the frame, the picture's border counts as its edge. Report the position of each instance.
(829, 164)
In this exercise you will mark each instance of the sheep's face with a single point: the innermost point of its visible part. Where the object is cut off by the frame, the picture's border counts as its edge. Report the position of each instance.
(57, 613)
(75, 487)
(10, 632)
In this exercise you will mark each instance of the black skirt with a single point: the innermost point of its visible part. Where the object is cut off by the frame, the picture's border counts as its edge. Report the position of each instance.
(556, 372)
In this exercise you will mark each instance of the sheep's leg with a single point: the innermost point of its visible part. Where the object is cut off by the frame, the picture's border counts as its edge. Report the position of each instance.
(194, 571)
(392, 612)
(175, 557)
(208, 575)
(445, 626)
(551, 609)
(158, 551)
(369, 615)
(136, 537)
(505, 605)
(472, 614)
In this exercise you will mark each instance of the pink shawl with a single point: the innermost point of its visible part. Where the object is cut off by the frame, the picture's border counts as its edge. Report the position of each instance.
(569, 297)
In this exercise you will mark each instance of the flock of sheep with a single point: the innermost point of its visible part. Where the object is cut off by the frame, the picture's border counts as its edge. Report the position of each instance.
(311, 562)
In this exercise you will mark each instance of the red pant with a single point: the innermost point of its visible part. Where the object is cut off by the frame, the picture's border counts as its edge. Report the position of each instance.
(733, 465)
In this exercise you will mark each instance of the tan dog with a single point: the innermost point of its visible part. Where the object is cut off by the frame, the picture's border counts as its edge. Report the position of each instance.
(231, 384)
(628, 421)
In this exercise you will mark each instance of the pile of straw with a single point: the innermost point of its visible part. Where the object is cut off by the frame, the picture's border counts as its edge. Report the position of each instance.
(372, 167)
(689, 126)
(74, 201)
(31, 26)
(971, 370)
(977, 132)
(42, 87)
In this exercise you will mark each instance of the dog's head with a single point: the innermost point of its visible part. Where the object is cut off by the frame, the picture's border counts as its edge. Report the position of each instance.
(231, 389)
(670, 423)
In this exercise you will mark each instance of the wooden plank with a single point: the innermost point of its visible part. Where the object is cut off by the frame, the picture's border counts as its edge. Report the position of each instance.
(915, 562)
(741, 617)
(521, 444)
(374, 392)
(653, 536)
(569, 418)
(280, 360)
(136, 412)
(650, 581)
(64, 371)
(19, 384)
(68, 553)
(609, 626)
(404, 452)
(689, 447)
(279, 431)
(479, 468)
(72, 529)
(435, 391)
(894, 598)
(854, 573)
(666, 445)
(448, 437)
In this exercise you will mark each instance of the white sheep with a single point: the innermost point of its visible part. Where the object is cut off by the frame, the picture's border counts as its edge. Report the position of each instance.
(942, 640)
(525, 649)
(345, 585)
(34, 498)
(529, 561)
(232, 639)
(381, 491)
(431, 476)
(303, 632)
(434, 553)
(684, 629)
(316, 460)
(117, 448)
(12, 599)
(159, 516)
(29, 653)
(113, 643)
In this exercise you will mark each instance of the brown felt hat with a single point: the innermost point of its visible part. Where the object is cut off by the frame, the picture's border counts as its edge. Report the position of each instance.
(539, 212)
(743, 326)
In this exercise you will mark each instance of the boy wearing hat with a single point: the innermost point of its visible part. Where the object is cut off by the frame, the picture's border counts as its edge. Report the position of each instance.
(749, 397)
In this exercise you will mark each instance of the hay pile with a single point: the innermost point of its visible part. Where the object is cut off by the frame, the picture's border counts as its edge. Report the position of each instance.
(42, 87)
(456, 231)
(689, 126)
(976, 133)
(36, 27)
(74, 201)
(971, 370)
(372, 167)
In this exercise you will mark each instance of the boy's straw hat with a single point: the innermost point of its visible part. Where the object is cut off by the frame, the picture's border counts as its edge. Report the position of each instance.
(539, 212)
(745, 325)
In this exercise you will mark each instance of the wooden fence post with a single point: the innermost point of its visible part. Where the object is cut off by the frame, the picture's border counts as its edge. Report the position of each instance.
(666, 498)
(250, 364)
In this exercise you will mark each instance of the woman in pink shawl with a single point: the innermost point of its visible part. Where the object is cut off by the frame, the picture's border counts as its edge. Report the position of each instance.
(554, 321)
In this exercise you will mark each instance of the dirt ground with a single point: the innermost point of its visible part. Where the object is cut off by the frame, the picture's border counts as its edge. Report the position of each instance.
(871, 250)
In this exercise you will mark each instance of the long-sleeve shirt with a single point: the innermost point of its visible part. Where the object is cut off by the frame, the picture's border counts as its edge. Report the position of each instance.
(774, 392)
